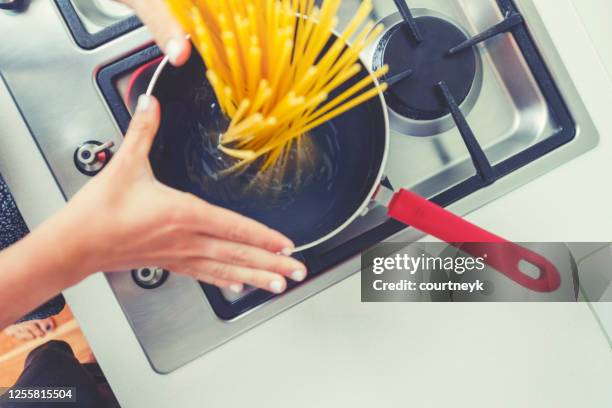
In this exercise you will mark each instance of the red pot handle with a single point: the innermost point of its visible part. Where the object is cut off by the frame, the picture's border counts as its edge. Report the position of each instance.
(504, 256)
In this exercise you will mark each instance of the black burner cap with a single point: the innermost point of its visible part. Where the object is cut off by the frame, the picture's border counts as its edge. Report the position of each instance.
(417, 96)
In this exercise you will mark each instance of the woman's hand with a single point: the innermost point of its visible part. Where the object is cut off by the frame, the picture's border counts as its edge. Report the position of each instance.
(158, 226)
(124, 218)
(166, 30)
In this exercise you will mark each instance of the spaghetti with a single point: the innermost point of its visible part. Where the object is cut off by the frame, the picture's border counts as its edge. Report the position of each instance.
(273, 65)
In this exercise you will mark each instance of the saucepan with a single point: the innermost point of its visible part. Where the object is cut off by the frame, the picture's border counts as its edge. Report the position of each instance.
(331, 181)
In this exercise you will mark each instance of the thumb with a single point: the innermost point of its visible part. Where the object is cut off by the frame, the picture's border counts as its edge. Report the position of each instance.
(143, 127)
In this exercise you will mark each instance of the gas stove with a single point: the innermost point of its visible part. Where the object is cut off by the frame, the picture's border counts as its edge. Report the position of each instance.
(479, 104)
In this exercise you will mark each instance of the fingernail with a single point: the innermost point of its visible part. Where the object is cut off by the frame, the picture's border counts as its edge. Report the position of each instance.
(144, 102)
(298, 276)
(174, 49)
(236, 288)
(276, 286)
(48, 327)
(287, 251)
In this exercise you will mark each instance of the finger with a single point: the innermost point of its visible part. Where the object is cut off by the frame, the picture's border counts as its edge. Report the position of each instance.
(235, 287)
(220, 283)
(164, 27)
(228, 225)
(269, 281)
(143, 128)
(251, 257)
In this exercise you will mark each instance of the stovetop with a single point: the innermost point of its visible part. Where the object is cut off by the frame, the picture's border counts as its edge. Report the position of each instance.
(487, 117)
(93, 23)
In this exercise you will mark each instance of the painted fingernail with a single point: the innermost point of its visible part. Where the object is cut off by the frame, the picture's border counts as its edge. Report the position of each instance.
(48, 327)
(276, 286)
(236, 288)
(174, 49)
(286, 251)
(144, 102)
(298, 276)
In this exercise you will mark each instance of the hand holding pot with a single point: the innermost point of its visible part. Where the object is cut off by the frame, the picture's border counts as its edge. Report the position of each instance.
(126, 219)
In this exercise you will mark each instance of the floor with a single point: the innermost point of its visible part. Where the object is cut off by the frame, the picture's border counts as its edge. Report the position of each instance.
(14, 352)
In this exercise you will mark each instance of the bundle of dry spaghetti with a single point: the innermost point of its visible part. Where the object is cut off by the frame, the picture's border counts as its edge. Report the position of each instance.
(273, 65)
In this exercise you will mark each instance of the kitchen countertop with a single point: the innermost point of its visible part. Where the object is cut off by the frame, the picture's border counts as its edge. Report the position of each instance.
(332, 350)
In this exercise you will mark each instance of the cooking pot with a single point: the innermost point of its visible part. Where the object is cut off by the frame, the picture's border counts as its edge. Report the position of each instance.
(328, 182)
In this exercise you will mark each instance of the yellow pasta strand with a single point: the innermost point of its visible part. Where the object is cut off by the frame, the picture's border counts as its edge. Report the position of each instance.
(273, 64)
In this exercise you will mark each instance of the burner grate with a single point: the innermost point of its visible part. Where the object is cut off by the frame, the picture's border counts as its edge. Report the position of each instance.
(415, 96)
(90, 40)
(409, 20)
(511, 20)
(447, 93)
(479, 158)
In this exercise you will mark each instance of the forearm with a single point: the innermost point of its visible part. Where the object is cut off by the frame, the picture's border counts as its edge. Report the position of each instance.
(37, 268)
(124, 218)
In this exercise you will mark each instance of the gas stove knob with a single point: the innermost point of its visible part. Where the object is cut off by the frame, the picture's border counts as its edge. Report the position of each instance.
(12, 5)
(92, 156)
(149, 277)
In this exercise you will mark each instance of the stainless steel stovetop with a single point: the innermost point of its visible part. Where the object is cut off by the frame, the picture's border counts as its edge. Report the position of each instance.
(75, 60)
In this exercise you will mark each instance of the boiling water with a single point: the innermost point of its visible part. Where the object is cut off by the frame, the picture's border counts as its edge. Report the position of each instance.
(311, 166)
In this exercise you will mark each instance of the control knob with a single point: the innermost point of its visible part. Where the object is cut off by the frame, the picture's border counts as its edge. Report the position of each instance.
(92, 156)
(149, 277)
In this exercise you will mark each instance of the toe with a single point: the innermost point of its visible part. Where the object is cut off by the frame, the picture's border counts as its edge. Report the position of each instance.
(49, 324)
(25, 334)
(37, 329)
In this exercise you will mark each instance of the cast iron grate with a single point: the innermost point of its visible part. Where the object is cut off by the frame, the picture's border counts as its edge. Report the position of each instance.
(84, 38)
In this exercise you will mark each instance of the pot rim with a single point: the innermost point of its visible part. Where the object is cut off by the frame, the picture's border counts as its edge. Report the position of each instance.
(382, 165)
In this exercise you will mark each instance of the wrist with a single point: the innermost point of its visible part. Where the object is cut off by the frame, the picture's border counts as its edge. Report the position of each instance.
(69, 251)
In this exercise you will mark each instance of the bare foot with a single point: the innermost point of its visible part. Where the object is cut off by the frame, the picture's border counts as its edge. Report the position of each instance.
(31, 329)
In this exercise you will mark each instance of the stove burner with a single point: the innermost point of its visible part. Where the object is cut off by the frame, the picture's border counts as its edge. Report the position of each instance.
(417, 96)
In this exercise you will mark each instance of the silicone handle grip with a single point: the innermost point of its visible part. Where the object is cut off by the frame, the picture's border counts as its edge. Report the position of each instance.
(503, 255)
